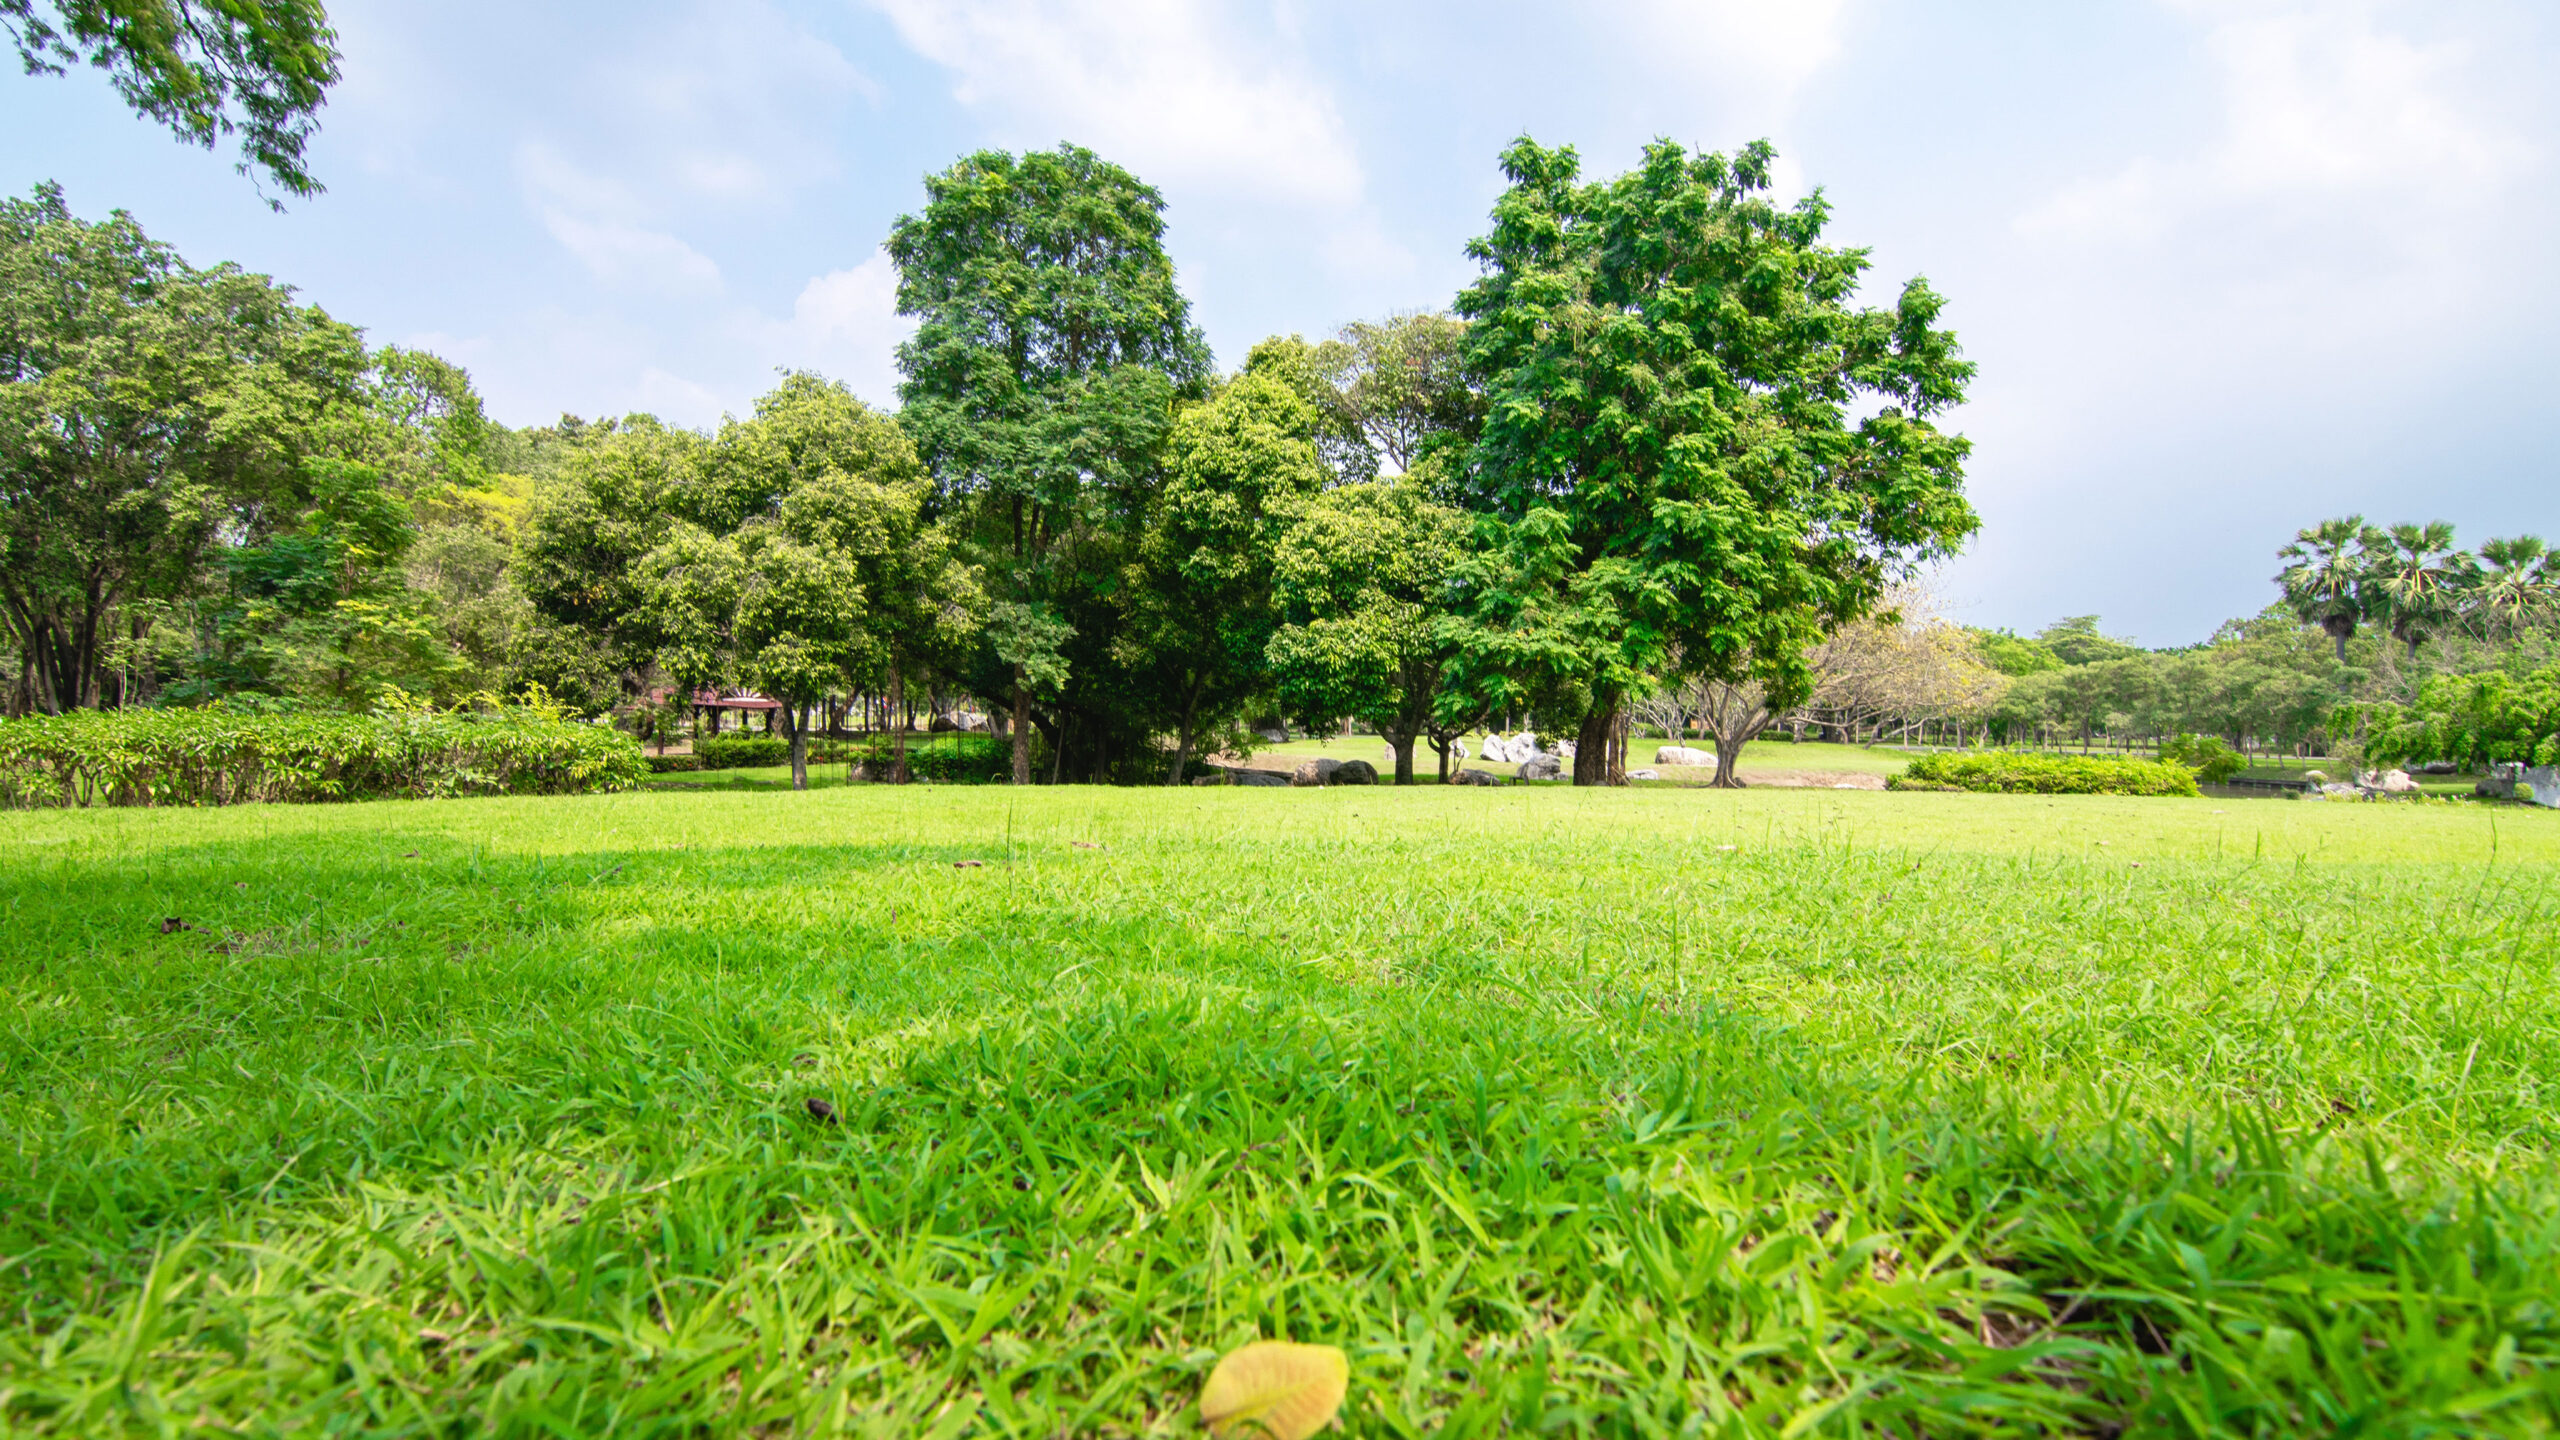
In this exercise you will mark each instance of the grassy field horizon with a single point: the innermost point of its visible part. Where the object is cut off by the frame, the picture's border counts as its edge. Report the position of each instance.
(959, 1110)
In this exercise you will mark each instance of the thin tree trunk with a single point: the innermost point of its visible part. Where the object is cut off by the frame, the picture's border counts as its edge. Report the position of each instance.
(1021, 727)
(898, 746)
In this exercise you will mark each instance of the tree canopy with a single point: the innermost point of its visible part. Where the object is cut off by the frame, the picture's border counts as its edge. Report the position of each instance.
(1672, 453)
(207, 69)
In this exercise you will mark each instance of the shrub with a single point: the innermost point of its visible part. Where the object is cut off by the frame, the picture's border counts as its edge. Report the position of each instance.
(741, 752)
(2213, 761)
(673, 764)
(2045, 775)
(227, 757)
(946, 759)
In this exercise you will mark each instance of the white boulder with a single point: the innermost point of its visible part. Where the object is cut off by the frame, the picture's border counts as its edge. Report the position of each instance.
(1684, 755)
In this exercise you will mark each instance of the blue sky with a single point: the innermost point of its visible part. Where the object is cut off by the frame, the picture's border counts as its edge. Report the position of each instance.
(2227, 268)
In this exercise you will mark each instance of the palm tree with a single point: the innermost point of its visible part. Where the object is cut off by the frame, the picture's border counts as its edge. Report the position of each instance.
(2515, 585)
(2416, 576)
(2325, 577)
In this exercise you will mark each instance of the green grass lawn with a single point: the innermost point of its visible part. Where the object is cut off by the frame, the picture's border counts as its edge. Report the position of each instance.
(1581, 1112)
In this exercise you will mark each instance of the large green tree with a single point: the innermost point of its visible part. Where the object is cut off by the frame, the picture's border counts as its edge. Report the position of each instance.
(1364, 583)
(1051, 349)
(1238, 468)
(205, 68)
(1699, 453)
(146, 409)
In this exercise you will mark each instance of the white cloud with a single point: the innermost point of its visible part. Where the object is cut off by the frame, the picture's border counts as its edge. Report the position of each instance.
(1156, 85)
(2325, 118)
(845, 325)
(674, 398)
(1759, 53)
(629, 256)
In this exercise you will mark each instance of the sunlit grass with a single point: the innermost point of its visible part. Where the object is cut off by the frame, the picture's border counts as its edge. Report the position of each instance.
(1584, 1111)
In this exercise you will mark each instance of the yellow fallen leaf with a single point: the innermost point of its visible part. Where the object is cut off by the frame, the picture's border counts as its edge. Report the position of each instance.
(1275, 1388)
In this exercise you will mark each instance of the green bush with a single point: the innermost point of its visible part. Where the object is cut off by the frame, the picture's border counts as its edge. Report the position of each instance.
(2213, 761)
(227, 757)
(2475, 721)
(946, 759)
(2045, 775)
(673, 764)
(741, 752)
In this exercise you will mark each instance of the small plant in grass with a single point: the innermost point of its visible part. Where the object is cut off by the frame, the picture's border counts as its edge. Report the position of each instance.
(2046, 775)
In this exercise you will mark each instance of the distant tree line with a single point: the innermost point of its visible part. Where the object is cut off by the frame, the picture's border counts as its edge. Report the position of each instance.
(1656, 444)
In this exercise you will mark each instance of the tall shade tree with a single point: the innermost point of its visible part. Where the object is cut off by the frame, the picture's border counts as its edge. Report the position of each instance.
(145, 409)
(1051, 347)
(1239, 466)
(2417, 578)
(1672, 451)
(2327, 576)
(207, 69)
(1364, 583)
(1403, 381)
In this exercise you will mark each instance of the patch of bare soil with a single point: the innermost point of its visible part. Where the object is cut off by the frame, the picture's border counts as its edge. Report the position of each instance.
(1814, 779)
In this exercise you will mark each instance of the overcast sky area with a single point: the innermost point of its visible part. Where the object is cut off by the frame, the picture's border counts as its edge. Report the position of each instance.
(2227, 268)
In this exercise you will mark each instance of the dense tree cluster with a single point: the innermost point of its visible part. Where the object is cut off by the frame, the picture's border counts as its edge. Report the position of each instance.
(1657, 444)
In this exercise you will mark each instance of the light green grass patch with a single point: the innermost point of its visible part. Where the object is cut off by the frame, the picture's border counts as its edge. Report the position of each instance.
(1592, 1112)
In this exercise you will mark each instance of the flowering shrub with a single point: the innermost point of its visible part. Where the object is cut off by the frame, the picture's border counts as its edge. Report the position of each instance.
(226, 757)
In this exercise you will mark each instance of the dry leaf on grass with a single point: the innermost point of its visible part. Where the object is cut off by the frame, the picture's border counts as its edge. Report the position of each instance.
(968, 864)
(1275, 1388)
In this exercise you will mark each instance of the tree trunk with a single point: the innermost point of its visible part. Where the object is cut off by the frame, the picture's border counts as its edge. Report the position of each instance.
(1402, 744)
(1021, 727)
(790, 720)
(1600, 745)
(1182, 740)
(898, 745)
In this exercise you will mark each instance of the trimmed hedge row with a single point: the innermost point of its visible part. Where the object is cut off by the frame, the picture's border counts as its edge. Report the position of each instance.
(215, 757)
(2046, 775)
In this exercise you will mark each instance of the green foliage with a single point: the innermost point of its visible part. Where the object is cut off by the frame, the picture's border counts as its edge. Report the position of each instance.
(2075, 640)
(2044, 775)
(188, 63)
(741, 752)
(2015, 655)
(2475, 721)
(1239, 467)
(945, 759)
(1669, 461)
(2213, 761)
(148, 410)
(1363, 578)
(510, 1101)
(1052, 347)
(230, 757)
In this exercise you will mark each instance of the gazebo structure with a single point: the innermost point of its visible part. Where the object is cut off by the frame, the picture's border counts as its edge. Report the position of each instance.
(743, 702)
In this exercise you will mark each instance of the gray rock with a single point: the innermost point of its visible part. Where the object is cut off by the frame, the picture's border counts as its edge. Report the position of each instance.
(1276, 737)
(1311, 773)
(1353, 772)
(1644, 774)
(1261, 777)
(1475, 777)
(1223, 777)
(2439, 767)
(2543, 783)
(1543, 767)
(1497, 749)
